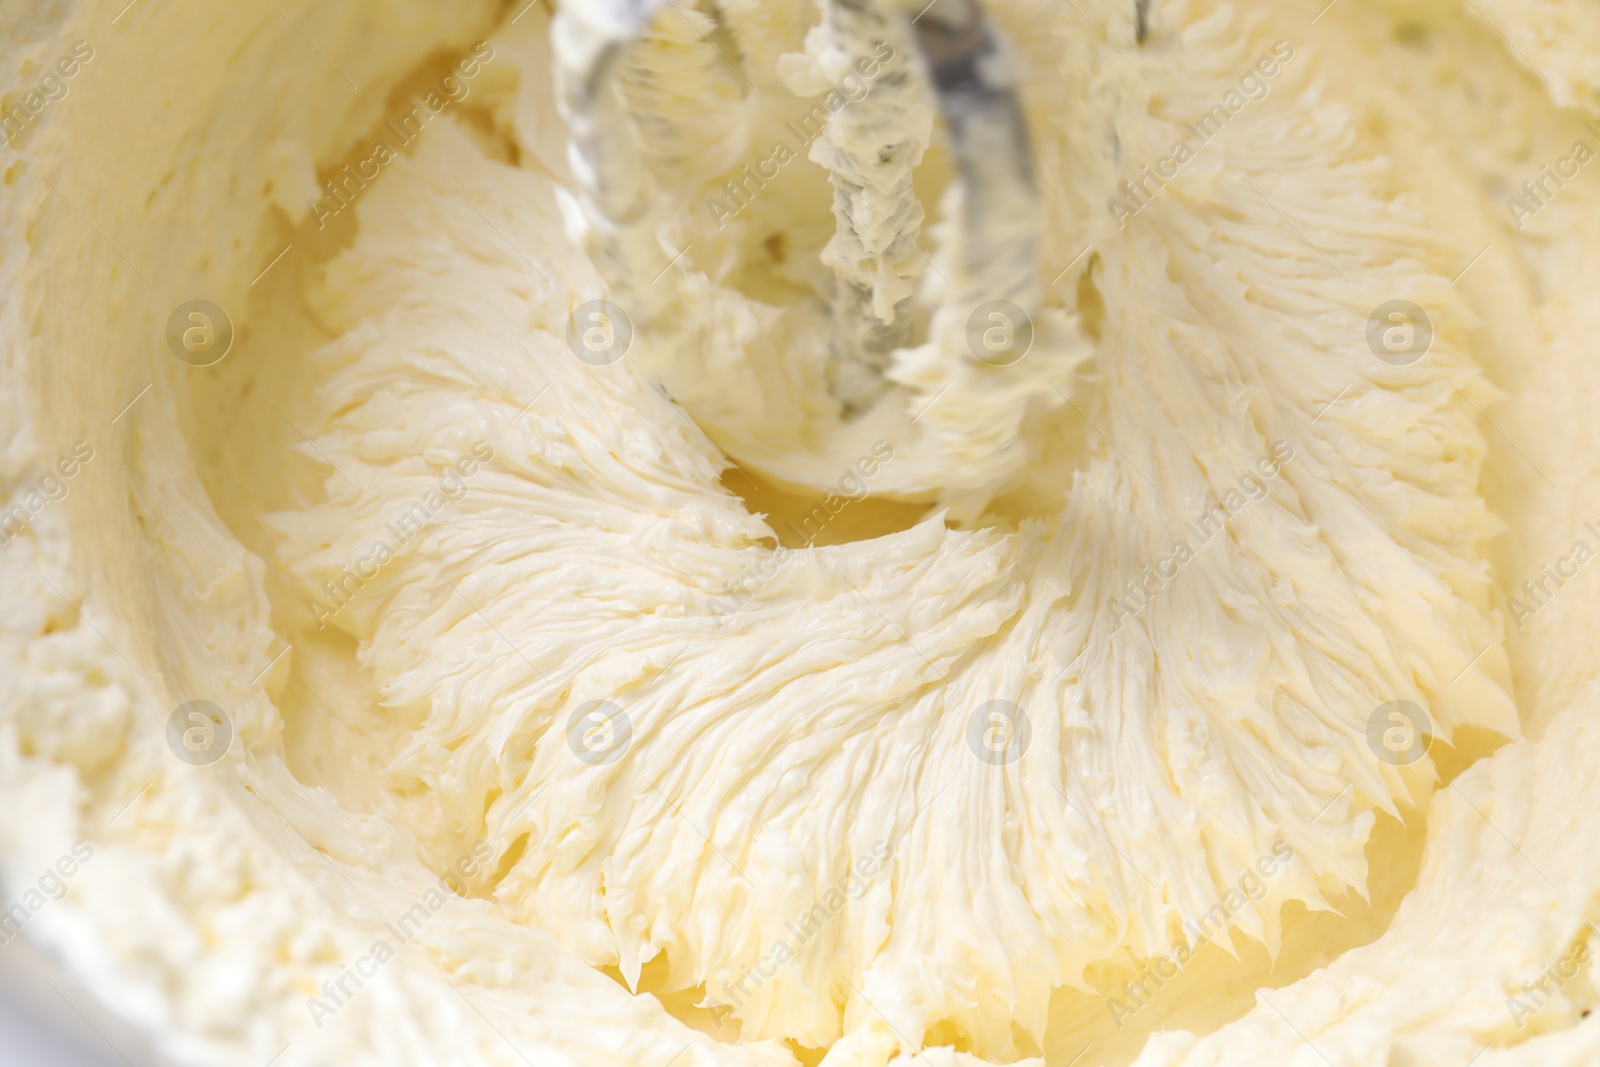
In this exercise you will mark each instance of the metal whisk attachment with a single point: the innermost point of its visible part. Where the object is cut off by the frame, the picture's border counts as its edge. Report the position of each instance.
(995, 209)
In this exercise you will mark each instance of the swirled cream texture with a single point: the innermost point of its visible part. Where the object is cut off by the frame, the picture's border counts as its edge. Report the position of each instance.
(644, 682)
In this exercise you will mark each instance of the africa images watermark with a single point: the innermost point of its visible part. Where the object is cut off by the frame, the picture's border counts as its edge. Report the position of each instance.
(1552, 576)
(51, 487)
(1542, 990)
(336, 992)
(51, 87)
(52, 885)
(1138, 193)
(404, 527)
(1251, 487)
(1158, 971)
(850, 89)
(851, 488)
(1530, 203)
(851, 885)
(344, 187)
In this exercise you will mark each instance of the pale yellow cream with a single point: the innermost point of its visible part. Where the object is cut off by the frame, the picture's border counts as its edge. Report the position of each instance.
(656, 709)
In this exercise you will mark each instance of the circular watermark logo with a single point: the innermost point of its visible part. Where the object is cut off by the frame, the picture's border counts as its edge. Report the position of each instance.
(1399, 733)
(999, 333)
(599, 732)
(999, 732)
(599, 332)
(199, 333)
(199, 732)
(1399, 332)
